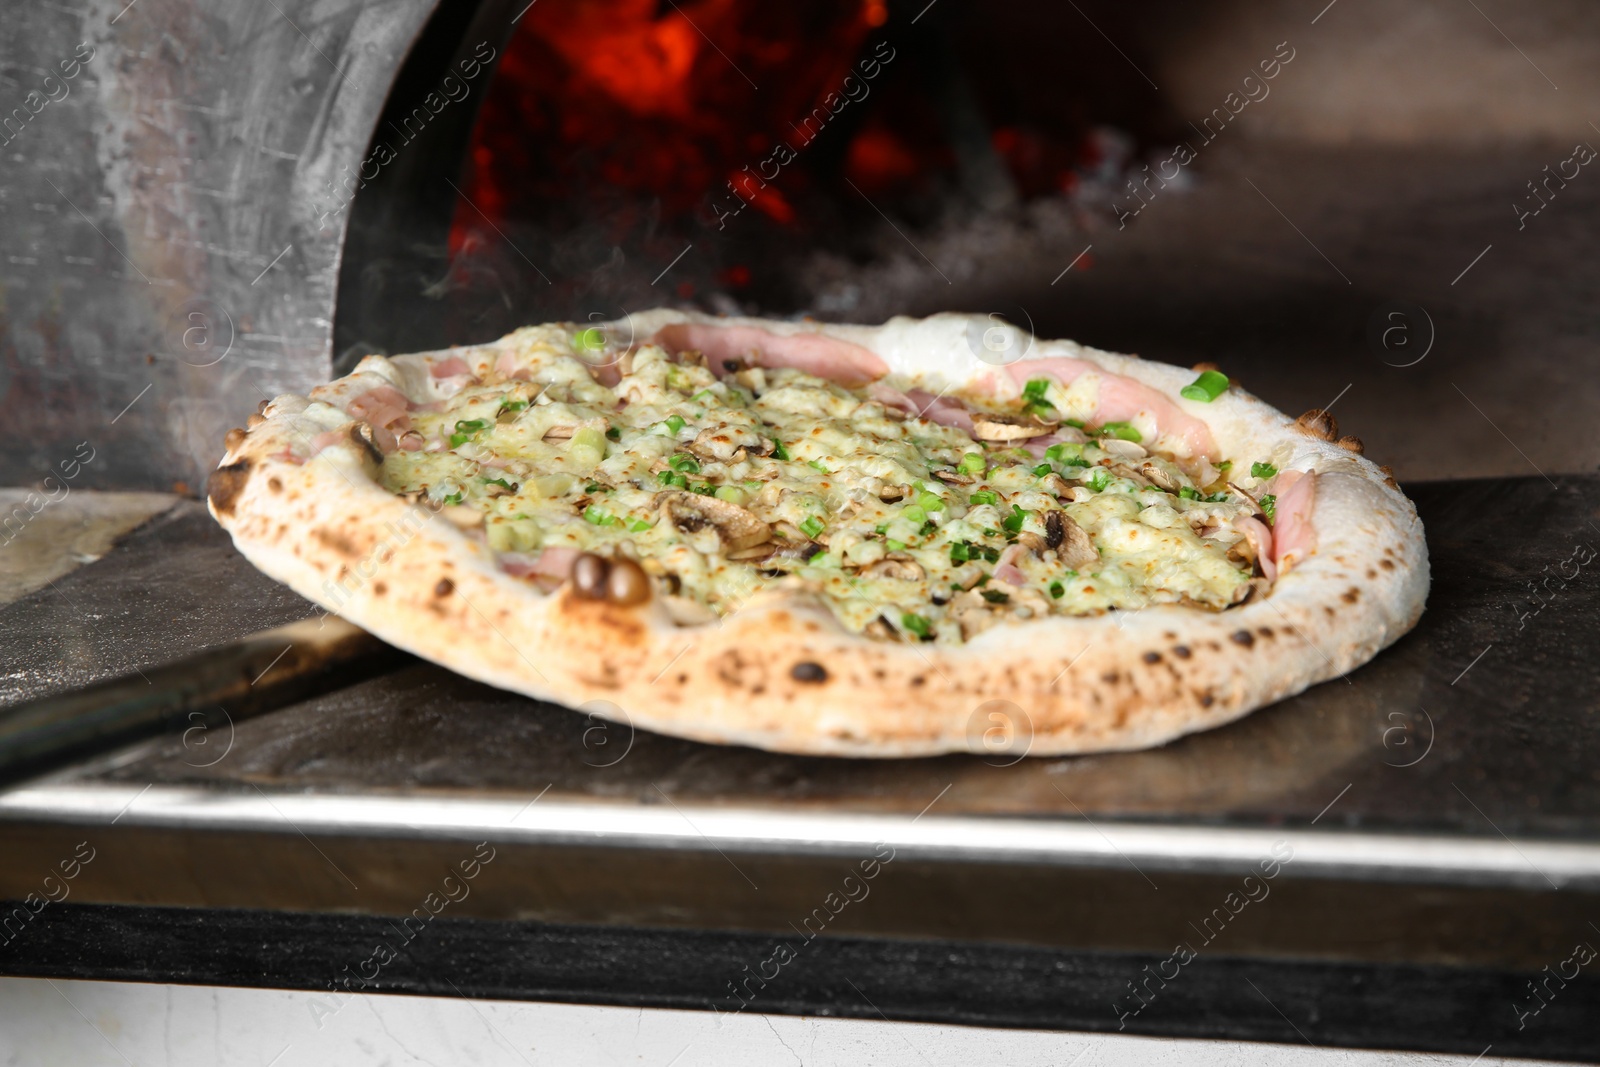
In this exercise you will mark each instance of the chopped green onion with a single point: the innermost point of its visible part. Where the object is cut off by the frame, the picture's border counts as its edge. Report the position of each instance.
(685, 463)
(614, 433)
(972, 463)
(1099, 480)
(1042, 469)
(501, 482)
(704, 490)
(930, 502)
(1225, 466)
(928, 528)
(812, 527)
(639, 526)
(1188, 492)
(467, 430)
(1262, 470)
(591, 340)
(673, 478)
(1035, 388)
(960, 552)
(732, 494)
(992, 555)
(881, 528)
(1217, 498)
(453, 499)
(1057, 590)
(1076, 423)
(599, 517)
(819, 465)
(895, 546)
(914, 514)
(1013, 521)
(984, 496)
(593, 487)
(1269, 507)
(995, 596)
(1206, 388)
(916, 624)
(1124, 431)
(778, 451)
(675, 424)
(704, 396)
(508, 406)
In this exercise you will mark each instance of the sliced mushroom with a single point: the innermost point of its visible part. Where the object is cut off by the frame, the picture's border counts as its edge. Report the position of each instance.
(729, 526)
(1056, 485)
(1123, 449)
(755, 552)
(1318, 423)
(1160, 478)
(972, 613)
(890, 493)
(986, 427)
(561, 433)
(881, 629)
(953, 477)
(1122, 470)
(1033, 542)
(900, 570)
(1076, 549)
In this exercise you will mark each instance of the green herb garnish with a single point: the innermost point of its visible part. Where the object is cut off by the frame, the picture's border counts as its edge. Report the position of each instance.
(972, 463)
(995, 596)
(984, 496)
(685, 463)
(673, 478)
(1057, 590)
(812, 527)
(1269, 507)
(599, 517)
(1206, 388)
(916, 624)
(1262, 470)
(778, 451)
(1124, 431)
(467, 430)
(1013, 522)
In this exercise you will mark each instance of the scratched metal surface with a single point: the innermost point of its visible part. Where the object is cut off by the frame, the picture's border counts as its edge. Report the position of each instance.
(140, 214)
(1482, 720)
(170, 588)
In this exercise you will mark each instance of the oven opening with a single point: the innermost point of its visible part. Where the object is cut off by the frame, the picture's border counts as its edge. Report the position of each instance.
(730, 156)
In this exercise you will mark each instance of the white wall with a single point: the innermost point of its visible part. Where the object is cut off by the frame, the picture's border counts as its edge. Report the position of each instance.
(107, 1024)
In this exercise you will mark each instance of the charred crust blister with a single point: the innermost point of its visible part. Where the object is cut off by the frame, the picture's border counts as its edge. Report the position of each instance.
(1243, 637)
(443, 588)
(225, 484)
(808, 671)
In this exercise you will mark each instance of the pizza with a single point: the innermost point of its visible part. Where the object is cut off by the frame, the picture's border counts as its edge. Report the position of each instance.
(929, 536)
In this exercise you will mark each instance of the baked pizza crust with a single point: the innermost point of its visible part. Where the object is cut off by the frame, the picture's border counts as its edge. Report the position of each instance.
(781, 673)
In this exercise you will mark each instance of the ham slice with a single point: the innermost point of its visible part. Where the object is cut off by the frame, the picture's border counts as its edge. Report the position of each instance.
(386, 409)
(1006, 570)
(848, 364)
(1259, 534)
(452, 367)
(1122, 399)
(1294, 538)
(924, 405)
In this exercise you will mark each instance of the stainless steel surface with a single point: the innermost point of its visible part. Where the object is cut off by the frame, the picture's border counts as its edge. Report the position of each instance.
(169, 589)
(168, 249)
(196, 697)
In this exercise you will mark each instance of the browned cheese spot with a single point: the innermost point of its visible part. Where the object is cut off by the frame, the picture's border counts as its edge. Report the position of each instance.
(1206, 700)
(1371, 574)
(1387, 565)
(225, 485)
(808, 671)
(275, 484)
(1243, 637)
(378, 589)
(444, 587)
(1181, 651)
(1351, 595)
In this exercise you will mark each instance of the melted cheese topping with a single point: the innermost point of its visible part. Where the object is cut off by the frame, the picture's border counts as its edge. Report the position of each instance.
(897, 523)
